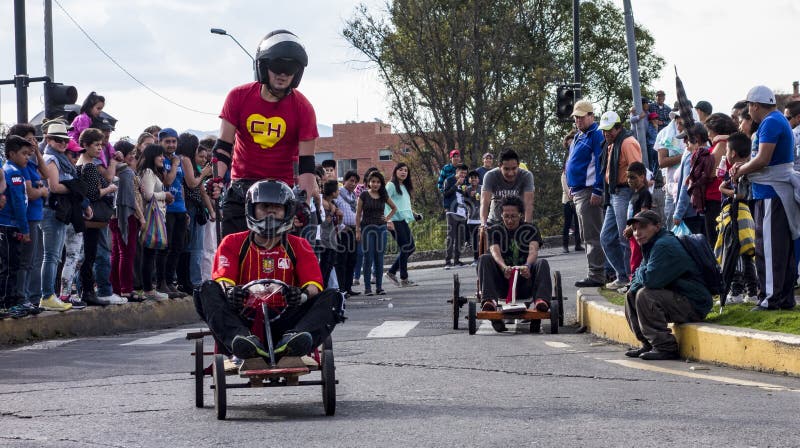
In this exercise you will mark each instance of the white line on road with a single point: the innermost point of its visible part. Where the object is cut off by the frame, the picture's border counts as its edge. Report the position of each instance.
(722, 379)
(160, 338)
(555, 344)
(46, 345)
(393, 329)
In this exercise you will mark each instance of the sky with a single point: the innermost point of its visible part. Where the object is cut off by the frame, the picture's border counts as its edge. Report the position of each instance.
(721, 49)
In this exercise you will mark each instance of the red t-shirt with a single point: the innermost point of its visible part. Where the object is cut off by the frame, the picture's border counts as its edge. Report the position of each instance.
(267, 134)
(259, 263)
(712, 191)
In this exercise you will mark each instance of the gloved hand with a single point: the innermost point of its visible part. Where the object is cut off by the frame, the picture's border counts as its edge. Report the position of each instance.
(295, 296)
(236, 297)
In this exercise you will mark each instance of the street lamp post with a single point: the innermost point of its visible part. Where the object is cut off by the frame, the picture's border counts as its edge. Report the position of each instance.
(222, 32)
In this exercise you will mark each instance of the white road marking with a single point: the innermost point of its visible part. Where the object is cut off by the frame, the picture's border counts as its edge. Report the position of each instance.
(393, 329)
(160, 338)
(555, 344)
(486, 328)
(722, 379)
(45, 345)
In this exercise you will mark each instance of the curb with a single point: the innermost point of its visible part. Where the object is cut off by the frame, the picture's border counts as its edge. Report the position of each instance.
(763, 351)
(99, 321)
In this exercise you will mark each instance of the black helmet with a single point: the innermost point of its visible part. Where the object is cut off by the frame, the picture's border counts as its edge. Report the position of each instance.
(280, 45)
(269, 192)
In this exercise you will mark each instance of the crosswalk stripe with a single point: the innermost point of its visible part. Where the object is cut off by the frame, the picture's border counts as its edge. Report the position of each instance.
(392, 329)
(159, 338)
(45, 345)
(555, 344)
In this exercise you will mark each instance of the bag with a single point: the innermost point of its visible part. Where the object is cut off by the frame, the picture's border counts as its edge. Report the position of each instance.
(698, 249)
(101, 214)
(154, 231)
(681, 229)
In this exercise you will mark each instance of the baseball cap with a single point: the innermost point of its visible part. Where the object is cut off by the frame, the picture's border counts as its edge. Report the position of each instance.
(73, 146)
(652, 116)
(761, 94)
(167, 132)
(582, 108)
(454, 152)
(647, 217)
(488, 154)
(608, 120)
(705, 106)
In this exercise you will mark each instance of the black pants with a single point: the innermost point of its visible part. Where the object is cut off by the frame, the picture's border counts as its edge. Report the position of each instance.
(405, 247)
(494, 285)
(9, 265)
(775, 263)
(148, 266)
(570, 217)
(327, 260)
(346, 258)
(713, 209)
(696, 225)
(91, 237)
(745, 278)
(456, 230)
(233, 219)
(317, 316)
(167, 259)
(473, 232)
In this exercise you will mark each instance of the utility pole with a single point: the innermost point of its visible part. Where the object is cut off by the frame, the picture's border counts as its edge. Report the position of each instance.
(576, 47)
(633, 61)
(21, 78)
(48, 39)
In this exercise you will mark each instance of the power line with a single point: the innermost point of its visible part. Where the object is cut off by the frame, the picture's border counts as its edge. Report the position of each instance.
(75, 22)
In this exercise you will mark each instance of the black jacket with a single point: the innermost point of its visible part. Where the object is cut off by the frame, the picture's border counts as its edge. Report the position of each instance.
(69, 206)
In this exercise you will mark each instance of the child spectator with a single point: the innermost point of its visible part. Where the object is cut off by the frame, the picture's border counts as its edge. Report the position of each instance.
(472, 199)
(745, 279)
(641, 200)
(90, 110)
(456, 214)
(330, 170)
(400, 189)
(14, 229)
(125, 225)
(371, 229)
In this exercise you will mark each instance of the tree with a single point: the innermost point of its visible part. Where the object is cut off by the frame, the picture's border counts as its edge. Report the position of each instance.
(480, 75)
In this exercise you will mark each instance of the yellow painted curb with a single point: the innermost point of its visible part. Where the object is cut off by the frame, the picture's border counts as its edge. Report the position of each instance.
(737, 347)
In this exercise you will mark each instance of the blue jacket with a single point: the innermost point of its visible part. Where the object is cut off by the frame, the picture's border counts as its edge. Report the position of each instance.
(15, 213)
(683, 205)
(447, 172)
(583, 166)
(667, 265)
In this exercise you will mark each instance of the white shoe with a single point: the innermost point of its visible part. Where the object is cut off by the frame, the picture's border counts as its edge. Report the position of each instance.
(155, 296)
(113, 299)
(616, 284)
(738, 298)
(751, 299)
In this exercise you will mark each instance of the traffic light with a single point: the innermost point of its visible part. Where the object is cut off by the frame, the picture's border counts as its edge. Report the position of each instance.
(565, 101)
(56, 97)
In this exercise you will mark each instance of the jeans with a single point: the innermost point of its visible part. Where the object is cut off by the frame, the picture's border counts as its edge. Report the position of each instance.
(359, 260)
(373, 240)
(29, 278)
(53, 233)
(615, 245)
(669, 208)
(405, 247)
(102, 264)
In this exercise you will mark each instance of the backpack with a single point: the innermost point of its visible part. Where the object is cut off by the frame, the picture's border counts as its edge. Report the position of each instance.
(699, 250)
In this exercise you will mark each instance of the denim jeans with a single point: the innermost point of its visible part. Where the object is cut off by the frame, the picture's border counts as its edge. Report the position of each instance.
(405, 247)
(373, 241)
(615, 245)
(195, 249)
(359, 260)
(102, 264)
(53, 232)
(29, 277)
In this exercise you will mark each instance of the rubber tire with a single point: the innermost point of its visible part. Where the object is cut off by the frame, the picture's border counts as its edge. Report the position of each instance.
(554, 313)
(456, 304)
(536, 326)
(559, 296)
(220, 392)
(198, 373)
(328, 344)
(472, 317)
(328, 382)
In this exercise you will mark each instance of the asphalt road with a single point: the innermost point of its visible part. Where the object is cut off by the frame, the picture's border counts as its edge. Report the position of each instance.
(428, 386)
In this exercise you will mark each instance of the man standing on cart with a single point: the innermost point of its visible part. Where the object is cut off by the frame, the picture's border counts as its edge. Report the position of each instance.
(268, 127)
(307, 314)
(513, 259)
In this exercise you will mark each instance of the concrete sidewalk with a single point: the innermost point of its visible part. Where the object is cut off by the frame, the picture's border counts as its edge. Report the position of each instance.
(764, 351)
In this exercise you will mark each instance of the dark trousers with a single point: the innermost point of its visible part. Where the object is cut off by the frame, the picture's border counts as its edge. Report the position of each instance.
(745, 278)
(148, 266)
(570, 217)
(327, 260)
(775, 263)
(648, 312)
(696, 225)
(10, 252)
(233, 219)
(405, 247)
(317, 316)
(346, 258)
(91, 237)
(473, 231)
(494, 285)
(167, 259)
(456, 230)
(713, 209)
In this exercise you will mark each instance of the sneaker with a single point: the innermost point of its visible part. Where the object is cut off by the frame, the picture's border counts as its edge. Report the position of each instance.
(458, 264)
(113, 299)
(77, 303)
(368, 292)
(565, 250)
(245, 347)
(616, 284)
(53, 304)
(17, 312)
(294, 344)
(393, 278)
(91, 299)
(32, 309)
(448, 266)
(352, 293)
(498, 324)
(624, 289)
(588, 283)
(734, 298)
(636, 352)
(155, 296)
(380, 292)
(3, 313)
(578, 249)
(404, 283)
(751, 298)
(356, 282)
(540, 305)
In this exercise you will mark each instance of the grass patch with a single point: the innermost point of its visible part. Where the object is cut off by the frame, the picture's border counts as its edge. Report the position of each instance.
(738, 315)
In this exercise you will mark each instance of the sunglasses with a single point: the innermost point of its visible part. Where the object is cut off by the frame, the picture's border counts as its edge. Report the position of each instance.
(59, 139)
(284, 67)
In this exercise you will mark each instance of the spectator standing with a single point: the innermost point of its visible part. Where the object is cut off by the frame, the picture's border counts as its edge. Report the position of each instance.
(447, 171)
(585, 180)
(472, 199)
(329, 231)
(167, 259)
(622, 150)
(736, 111)
(202, 160)
(488, 164)
(151, 169)
(360, 188)
(90, 110)
(792, 113)
(506, 180)
(719, 127)
(695, 138)
(125, 224)
(346, 202)
(670, 151)
(662, 110)
(400, 189)
(704, 110)
(371, 229)
(570, 215)
(776, 212)
(456, 215)
(73, 246)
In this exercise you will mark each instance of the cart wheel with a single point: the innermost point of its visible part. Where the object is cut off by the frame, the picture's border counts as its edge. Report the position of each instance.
(473, 317)
(559, 296)
(220, 399)
(198, 373)
(328, 344)
(456, 300)
(536, 326)
(555, 310)
(328, 382)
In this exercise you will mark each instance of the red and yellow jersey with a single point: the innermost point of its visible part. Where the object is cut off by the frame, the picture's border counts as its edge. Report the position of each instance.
(259, 263)
(267, 134)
